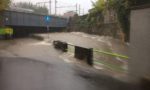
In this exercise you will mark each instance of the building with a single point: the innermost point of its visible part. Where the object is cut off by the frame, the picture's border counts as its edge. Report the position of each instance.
(69, 14)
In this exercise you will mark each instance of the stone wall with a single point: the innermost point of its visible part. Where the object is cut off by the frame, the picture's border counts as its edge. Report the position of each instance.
(109, 29)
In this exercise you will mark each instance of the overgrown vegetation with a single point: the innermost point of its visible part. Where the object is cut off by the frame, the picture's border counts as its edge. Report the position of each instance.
(4, 4)
(122, 8)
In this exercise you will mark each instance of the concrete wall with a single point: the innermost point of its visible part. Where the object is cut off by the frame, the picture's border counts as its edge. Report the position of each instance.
(139, 64)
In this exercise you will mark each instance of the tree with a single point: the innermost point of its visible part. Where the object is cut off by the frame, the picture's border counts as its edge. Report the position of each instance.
(4, 4)
(122, 9)
(36, 9)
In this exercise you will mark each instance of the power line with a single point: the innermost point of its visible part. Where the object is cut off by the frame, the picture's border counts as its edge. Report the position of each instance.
(65, 6)
(77, 8)
(41, 3)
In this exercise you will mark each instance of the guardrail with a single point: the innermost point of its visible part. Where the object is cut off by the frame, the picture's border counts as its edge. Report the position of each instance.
(111, 54)
(110, 60)
(88, 55)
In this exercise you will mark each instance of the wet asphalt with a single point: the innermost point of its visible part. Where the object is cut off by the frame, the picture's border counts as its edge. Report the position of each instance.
(29, 64)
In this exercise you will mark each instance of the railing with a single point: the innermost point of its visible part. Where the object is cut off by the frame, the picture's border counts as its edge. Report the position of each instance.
(108, 60)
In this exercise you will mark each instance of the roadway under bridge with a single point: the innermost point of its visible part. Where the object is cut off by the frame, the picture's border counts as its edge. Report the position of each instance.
(25, 23)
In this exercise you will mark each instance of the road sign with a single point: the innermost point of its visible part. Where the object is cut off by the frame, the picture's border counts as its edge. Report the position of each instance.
(47, 18)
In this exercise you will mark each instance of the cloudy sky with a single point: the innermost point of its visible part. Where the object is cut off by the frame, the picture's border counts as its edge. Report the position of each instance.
(85, 4)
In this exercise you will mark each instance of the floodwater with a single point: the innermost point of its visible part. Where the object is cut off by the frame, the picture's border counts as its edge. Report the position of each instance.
(30, 64)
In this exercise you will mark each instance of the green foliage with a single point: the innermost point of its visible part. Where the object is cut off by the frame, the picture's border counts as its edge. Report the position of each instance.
(36, 9)
(4, 4)
(99, 5)
(122, 8)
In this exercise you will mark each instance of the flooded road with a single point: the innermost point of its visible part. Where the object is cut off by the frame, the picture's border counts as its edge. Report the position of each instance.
(107, 63)
(30, 64)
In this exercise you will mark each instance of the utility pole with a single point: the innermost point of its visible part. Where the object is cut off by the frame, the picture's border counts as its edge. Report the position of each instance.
(55, 7)
(79, 9)
(50, 7)
(83, 11)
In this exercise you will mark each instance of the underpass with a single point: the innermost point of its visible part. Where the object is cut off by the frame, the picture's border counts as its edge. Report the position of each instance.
(25, 23)
(32, 64)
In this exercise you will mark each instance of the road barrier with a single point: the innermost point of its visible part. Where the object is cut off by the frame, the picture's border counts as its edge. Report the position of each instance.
(87, 55)
(84, 54)
(110, 60)
(60, 45)
(111, 54)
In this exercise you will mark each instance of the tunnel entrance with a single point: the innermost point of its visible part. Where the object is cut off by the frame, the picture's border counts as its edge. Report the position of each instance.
(20, 31)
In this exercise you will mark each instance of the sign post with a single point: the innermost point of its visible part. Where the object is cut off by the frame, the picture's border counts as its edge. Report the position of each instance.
(47, 20)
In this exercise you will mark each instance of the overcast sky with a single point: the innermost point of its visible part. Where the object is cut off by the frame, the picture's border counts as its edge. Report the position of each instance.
(85, 4)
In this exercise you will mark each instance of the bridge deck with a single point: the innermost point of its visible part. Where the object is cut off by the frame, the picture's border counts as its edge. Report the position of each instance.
(14, 18)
